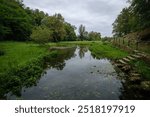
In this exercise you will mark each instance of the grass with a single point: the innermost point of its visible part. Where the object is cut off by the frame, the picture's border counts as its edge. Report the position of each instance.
(143, 68)
(107, 50)
(18, 53)
(13, 54)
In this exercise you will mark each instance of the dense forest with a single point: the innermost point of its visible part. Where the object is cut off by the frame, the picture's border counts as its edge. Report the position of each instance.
(21, 23)
(135, 17)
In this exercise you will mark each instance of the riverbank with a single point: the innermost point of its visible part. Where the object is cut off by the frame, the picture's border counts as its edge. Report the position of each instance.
(21, 64)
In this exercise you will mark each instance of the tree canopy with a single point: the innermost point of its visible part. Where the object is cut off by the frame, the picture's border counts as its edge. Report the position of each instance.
(15, 24)
(136, 17)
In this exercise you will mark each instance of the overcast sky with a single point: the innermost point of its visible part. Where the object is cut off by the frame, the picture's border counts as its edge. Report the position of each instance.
(95, 15)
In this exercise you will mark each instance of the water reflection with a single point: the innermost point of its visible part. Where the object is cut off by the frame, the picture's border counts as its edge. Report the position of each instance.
(82, 51)
(58, 60)
(73, 73)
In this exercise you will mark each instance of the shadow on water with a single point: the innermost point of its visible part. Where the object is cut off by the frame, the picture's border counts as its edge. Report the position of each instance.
(75, 73)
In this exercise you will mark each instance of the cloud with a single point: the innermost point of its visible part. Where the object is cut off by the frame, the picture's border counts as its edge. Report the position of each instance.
(96, 15)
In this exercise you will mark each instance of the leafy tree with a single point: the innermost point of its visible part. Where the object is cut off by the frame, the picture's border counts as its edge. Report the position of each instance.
(41, 35)
(134, 18)
(82, 32)
(141, 9)
(56, 25)
(70, 32)
(15, 24)
(122, 24)
(93, 36)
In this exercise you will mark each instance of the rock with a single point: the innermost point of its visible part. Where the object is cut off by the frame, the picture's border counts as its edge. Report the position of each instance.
(126, 68)
(134, 79)
(136, 56)
(126, 59)
(131, 58)
(122, 62)
(145, 85)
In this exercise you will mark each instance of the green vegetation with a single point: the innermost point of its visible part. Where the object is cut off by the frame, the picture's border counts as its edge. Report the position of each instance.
(18, 53)
(143, 68)
(15, 24)
(133, 18)
(41, 35)
(88, 36)
(107, 50)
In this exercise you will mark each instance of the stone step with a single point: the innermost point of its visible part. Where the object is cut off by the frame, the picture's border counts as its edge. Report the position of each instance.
(141, 54)
(136, 56)
(133, 79)
(130, 57)
(119, 65)
(135, 74)
(135, 51)
(126, 59)
(122, 61)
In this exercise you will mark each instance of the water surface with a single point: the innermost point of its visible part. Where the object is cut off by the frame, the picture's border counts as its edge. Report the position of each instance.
(76, 74)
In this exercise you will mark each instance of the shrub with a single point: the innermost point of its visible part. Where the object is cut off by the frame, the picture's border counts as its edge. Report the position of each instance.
(41, 35)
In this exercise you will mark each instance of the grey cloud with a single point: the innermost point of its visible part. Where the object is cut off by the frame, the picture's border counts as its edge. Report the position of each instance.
(96, 15)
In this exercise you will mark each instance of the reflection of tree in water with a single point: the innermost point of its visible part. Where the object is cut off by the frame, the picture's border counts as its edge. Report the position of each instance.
(58, 61)
(14, 85)
(82, 51)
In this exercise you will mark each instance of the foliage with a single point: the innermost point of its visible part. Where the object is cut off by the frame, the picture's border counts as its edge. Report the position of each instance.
(56, 26)
(82, 32)
(141, 8)
(94, 36)
(90, 36)
(70, 33)
(142, 67)
(41, 35)
(15, 24)
(36, 16)
(133, 18)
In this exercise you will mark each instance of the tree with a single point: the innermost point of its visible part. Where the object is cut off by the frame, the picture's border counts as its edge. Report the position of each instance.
(15, 24)
(141, 9)
(94, 36)
(133, 18)
(82, 32)
(123, 23)
(70, 32)
(56, 25)
(41, 35)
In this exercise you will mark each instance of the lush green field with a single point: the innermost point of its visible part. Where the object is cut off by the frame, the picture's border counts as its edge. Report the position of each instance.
(18, 53)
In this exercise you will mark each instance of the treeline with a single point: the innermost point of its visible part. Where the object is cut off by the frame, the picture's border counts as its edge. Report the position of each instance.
(134, 18)
(21, 23)
(88, 36)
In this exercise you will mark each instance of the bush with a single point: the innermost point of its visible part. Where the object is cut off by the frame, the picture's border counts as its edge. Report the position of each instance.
(41, 35)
